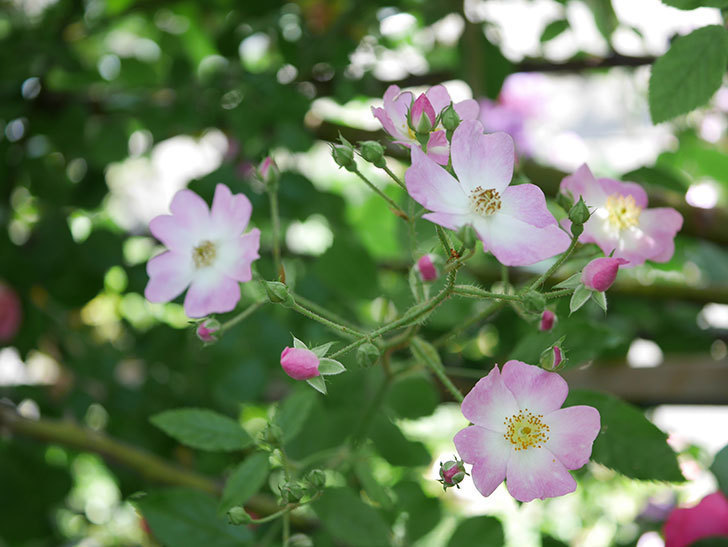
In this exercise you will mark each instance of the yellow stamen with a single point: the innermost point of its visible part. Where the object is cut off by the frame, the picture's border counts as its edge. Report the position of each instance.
(485, 202)
(526, 430)
(204, 254)
(622, 211)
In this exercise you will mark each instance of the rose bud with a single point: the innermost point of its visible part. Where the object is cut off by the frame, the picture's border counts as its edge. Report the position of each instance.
(426, 268)
(207, 329)
(452, 473)
(300, 363)
(600, 273)
(268, 172)
(422, 115)
(548, 319)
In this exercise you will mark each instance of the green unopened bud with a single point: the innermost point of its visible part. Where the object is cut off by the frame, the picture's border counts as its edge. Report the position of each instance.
(367, 355)
(272, 434)
(292, 492)
(317, 478)
(278, 293)
(534, 301)
(449, 118)
(577, 229)
(300, 540)
(343, 156)
(467, 235)
(452, 473)
(552, 358)
(579, 213)
(268, 173)
(373, 152)
(565, 201)
(239, 516)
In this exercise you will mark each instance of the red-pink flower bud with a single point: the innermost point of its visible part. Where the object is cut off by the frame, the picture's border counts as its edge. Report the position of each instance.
(268, 171)
(11, 313)
(300, 363)
(426, 268)
(552, 358)
(600, 273)
(207, 329)
(548, 319)
(422, 115)
(452, 473)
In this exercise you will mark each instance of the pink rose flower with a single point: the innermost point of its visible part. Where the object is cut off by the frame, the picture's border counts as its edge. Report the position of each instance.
(11, 313)
(708, 518)
(600, 273)
(521, 433)
(512, 221)
(208, 252)
(620, 220)
(548, 318)
(426, 268)
(300, 363)
(397, 104)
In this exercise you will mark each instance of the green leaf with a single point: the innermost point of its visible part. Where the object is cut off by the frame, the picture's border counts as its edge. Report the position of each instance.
(188, 518)
(321, 350)
(423, 511)
(293, 412)
(348, 519)
(245, 481)
(328, 367)
(694, 4)
(689, 73)
(394, 447)
(601, 299)
(604, 17)
(579, 298)
(628, 442)
(298, 344)
(478, 531)
(318, 383)
(553, 29)
(413, 397)
(373, 488)
(203, 429)
(571, 283)
(720, 469)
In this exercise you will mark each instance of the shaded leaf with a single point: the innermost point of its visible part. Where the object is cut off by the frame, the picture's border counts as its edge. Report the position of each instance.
(348, 519)
(478, 531)
(245, 481)
(203, 429)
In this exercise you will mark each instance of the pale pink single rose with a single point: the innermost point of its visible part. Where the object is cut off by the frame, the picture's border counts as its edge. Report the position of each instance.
(11, 313)
(521, 433)
(300, 363)
(207, 252)
(548, 319)
(620, 223)
(394, 113)
(513, 222)
(600, 273)
(709, 518)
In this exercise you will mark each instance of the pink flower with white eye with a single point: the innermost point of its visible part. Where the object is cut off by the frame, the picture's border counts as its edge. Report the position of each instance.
(394, 113)
(11, 313)
(620, 223)
(709, 518)
(600, 273)
(512, 221)
(521, 433)
(207, 252)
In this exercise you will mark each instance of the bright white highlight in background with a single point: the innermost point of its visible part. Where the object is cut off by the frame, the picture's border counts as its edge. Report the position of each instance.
(644, 354)
(702, 194)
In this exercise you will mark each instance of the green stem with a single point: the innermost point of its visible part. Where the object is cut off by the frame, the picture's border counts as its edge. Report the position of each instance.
(475, 292)
(444, 240)
(286, 528)
(322, 311)
(394, 177)
(392, 204)
(465, 325)
(427, 354)
(275, 218)
(342, 329)
(558, 293)
(543, 277)
(247, 312)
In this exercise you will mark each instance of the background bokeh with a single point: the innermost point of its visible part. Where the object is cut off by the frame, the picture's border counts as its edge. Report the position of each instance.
(107, 108)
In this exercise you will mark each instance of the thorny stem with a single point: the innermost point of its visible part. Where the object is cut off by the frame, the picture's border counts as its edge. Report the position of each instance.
(443, 239)
(555, 266)
(343, 329)
(392, 204)
(428, 355)
(322, 311)
(247, 312)
(275, 218)
(283, 512)
(476, 292)
(558, 293)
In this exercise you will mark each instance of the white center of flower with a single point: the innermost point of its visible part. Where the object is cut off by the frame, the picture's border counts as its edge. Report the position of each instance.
(484, 202)
(525, 430)
(622, 211)
(204, 254)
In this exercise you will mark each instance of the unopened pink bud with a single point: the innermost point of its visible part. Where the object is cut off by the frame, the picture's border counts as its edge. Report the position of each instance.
(552, 358)
(452, 473)
(11, 313)
(548, 318)
(300, 363)
(426, 268)
(268, 171)
(207, 329)
(422, 115)
(600, 273)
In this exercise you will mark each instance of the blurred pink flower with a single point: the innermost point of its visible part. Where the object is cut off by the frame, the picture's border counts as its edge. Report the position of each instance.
(521, 433)
(548, 318)
(393, 116)
(300, 363)
(620, 220)
(709, 518)
(11, 313)
(207, 252)
(512, 221)
(600, 273)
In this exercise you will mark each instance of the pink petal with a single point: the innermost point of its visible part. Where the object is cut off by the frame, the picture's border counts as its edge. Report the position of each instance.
(438, 97)
(191, 210)
(236, 255)
(482, 160)
(433, 187)
(174, 233)
(381, 115)
(230, 213)
(438, 148)
(611, 187)
(490, 402)
(397, 105)
(468, 109)
(300, 363)
(169, 274)
(453, 221)
(536, 473)
(422, 107)
(662, 224)
(517, 243)
(572, 433)
(488, 451)
(582, 183)
(600, 273)
(534, 389)
(526, 202)
(598, 230)
(708, 518)
(211, 292)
